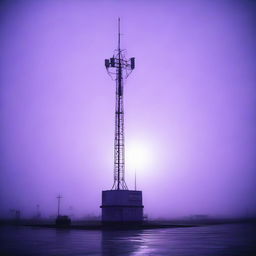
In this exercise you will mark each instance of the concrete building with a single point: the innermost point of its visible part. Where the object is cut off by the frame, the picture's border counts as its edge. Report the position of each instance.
(122, 206)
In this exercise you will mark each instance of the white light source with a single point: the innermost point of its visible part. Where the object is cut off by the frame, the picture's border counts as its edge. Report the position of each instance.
(138, 155)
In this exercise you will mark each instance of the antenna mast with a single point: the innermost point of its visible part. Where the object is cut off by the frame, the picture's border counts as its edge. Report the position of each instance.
(135, 181)
(118, 67)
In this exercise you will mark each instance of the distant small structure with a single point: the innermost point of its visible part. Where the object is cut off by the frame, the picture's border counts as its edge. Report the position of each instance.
(61, 220)
(16, 215)
(59, 197)
(38, 213)
(199, 217)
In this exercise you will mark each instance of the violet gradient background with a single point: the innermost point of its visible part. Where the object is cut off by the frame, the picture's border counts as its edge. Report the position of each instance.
(191, 101)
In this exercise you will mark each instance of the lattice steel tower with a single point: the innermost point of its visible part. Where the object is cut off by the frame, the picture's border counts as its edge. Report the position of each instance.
(119, 68)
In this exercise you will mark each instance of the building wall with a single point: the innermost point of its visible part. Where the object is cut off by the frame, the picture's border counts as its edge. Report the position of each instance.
(122, 206)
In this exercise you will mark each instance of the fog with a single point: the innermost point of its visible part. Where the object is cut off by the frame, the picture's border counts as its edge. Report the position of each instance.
(189, 105)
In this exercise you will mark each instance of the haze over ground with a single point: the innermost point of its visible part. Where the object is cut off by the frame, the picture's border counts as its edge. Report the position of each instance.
(189, 105)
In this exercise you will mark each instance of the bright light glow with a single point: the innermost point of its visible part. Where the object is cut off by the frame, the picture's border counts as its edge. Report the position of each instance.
(139, 156)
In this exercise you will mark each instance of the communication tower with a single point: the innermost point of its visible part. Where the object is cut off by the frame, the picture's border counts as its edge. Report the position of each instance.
(119, 68)
(120, 204)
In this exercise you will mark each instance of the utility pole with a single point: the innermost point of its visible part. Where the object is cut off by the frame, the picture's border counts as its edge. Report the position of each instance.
(59, 198)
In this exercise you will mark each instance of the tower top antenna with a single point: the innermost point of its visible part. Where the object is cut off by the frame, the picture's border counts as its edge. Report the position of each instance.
(119, 34)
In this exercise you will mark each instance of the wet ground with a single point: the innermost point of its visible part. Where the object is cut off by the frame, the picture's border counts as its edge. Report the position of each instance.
(214, 240)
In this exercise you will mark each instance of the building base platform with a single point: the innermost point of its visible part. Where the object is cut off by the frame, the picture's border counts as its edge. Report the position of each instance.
(121, 206)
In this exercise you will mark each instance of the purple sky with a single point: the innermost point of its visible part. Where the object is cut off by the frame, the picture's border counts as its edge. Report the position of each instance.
(190, 103)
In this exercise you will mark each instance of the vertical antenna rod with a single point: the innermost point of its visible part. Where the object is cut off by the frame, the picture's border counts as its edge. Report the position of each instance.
(121, 66)
(135, 181)
(118, 34)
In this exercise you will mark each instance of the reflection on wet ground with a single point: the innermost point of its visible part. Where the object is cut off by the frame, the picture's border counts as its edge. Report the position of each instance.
(231, 239)
(218, 240)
